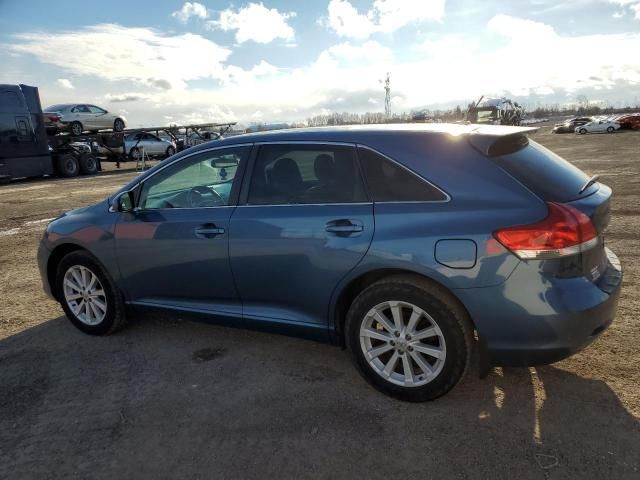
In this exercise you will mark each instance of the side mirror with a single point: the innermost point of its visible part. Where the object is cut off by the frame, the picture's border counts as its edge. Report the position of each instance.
(123, 202)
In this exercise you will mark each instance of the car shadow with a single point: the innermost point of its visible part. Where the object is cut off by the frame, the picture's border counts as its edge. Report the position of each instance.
(168, 398)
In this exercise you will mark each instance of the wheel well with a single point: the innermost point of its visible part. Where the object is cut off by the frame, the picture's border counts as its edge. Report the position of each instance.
(357, 285)
(54, 260)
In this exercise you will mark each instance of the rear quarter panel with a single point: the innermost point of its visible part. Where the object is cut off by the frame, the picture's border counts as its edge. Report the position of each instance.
(483, 198)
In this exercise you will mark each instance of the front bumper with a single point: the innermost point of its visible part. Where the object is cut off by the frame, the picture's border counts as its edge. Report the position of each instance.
(535, 320)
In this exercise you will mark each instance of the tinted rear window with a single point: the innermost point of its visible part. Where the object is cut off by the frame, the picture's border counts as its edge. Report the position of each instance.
(390, 182)
(546, 174)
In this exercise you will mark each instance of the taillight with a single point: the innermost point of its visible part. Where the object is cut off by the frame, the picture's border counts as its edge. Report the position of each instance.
(565, 231)
(54, 117)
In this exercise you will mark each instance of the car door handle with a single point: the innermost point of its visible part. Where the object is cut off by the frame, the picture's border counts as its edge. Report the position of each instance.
(209, 230)
(344, 228)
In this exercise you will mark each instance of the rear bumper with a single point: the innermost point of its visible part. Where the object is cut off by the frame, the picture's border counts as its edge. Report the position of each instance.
(535, 320)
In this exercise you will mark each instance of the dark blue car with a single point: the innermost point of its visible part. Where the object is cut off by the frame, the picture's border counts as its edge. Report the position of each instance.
(409, 244)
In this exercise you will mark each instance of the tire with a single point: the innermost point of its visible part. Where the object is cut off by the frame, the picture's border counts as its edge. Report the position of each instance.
(112, 317)
(610, 129)
(453, 338)
(88, 164)
(170, 151)
(118, 125)
(76, 129)
(582, 131)
(134, 153)
(67, 166)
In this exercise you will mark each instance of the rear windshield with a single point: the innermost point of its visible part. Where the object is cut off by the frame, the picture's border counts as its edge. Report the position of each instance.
(546, 174)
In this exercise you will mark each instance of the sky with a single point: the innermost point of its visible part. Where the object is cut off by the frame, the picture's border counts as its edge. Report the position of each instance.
(162, 62)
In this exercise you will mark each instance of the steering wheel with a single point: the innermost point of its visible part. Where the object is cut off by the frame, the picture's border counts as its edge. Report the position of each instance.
(203, 196)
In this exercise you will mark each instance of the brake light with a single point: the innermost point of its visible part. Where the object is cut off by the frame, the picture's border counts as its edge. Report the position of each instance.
(54, 117)
(565, 231)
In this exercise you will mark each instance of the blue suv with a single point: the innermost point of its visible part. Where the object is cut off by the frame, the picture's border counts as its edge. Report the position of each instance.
(411, 245)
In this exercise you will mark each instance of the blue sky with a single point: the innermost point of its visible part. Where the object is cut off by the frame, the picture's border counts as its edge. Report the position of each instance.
(274, 60)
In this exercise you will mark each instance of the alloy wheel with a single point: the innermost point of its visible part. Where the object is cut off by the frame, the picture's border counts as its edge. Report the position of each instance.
(85, 295)
(402, 343)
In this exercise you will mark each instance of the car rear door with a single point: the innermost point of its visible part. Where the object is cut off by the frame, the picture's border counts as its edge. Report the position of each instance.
(303, 222)
(173, 248)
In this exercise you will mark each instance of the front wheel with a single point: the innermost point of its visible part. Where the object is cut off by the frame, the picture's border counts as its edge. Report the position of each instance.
(582, 131)
(409, 338)
(88, 296)
(170, 151)
(118, 125)
(135, 153)
(610, 129)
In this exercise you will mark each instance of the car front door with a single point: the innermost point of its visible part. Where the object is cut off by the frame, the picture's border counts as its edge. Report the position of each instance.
(99, 117)
(82, 114)
(173, 248)
(303, 222)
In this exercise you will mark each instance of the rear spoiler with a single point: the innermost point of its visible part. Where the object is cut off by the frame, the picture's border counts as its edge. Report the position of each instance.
(495, 140)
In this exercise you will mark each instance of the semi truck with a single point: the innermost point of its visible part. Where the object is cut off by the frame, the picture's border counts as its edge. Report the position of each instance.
(25, 148)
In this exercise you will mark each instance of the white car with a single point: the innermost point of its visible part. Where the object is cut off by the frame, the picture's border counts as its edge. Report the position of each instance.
(598, 126)
(153, 146)
(81, 117)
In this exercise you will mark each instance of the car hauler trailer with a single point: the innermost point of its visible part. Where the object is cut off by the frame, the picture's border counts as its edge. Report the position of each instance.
(25, 148)
(27, 151)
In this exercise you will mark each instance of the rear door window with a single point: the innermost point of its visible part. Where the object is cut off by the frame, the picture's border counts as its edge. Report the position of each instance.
(388, 181)
(293, 174)
(546, 174)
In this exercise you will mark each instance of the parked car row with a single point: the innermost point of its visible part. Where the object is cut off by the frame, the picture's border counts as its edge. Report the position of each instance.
(584, 125)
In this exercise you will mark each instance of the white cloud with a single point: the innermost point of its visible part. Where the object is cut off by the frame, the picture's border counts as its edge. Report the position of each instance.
(143, 55)
(633, 6)
(189, 10)
(65, 83)
(255, 22)
(442, 70)
(125, 97)
(384, 16)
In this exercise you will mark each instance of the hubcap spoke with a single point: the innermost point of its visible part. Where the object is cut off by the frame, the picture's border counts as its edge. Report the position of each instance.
(413, 321)
(422, 363)
(431, 351)
(391, 364)
(376, 334)
(396, 311)
(426, 333)
(384, 321)
(376, 352)
(408, 369)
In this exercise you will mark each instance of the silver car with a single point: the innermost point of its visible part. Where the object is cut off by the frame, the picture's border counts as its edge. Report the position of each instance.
(152, 145)
(81, 117)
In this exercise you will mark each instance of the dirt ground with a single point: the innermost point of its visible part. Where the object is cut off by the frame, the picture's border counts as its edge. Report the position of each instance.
(171, 398)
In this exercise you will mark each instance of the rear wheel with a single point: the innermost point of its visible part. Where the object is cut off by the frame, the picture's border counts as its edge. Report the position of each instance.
(582, 131)
(408, 338)
(88, 164)
(67, 165)
(610, 129)
(88, 296)
(76, 128)
(118, 125)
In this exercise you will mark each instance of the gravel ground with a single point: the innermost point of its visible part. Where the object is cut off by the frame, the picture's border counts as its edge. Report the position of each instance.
(172, 398)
